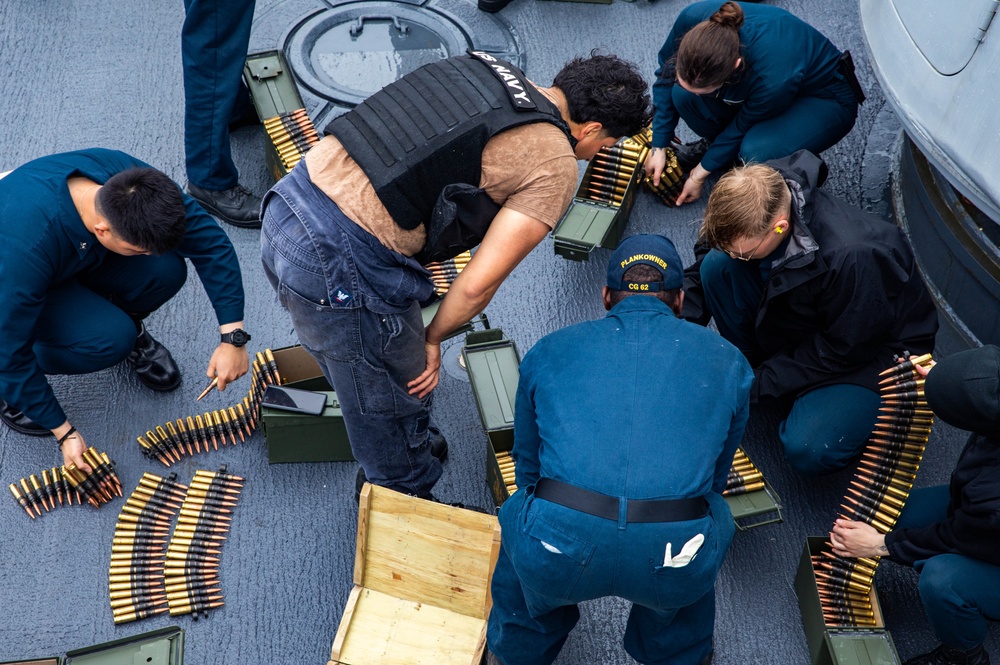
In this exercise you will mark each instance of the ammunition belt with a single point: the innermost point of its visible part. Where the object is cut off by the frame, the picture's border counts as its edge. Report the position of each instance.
(292, 134)
(878, 491)
(59, 486)
(195, 434)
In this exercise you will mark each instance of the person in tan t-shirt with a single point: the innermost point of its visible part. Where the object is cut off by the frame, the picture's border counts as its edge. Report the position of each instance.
(347, 269)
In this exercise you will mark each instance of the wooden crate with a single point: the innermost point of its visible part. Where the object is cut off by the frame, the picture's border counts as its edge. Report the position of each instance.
(422, 576)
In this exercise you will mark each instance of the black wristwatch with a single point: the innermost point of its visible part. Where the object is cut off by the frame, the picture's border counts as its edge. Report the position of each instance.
(237, 337)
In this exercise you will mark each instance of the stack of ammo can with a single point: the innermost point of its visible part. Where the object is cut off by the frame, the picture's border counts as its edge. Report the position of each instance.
(149, 577)
(847, 607)
(60, 486)
(169, 442)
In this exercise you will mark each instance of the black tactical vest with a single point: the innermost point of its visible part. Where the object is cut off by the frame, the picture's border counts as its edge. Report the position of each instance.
(420, 141)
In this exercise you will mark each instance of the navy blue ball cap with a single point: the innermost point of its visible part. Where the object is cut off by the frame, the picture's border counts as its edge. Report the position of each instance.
(646, 249)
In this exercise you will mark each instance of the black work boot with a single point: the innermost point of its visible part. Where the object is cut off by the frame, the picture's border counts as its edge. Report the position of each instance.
(946, 655)
(689, 154)
(17, 421)
(237, 206)
(153, 363)
(492, 6)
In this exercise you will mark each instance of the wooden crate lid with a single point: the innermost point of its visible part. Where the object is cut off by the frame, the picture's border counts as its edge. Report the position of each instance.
(426, 552)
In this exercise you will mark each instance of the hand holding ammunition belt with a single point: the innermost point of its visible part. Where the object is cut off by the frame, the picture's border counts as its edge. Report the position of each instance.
(170, 442)
(144, 578)
(292, 134)
(673, 176)
(61, 485)
(878, 491)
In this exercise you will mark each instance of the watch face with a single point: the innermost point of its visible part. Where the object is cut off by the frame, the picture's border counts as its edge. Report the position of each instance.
(238, 337)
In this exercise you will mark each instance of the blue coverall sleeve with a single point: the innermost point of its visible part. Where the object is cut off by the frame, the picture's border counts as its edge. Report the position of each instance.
(22, 382)
(213, 256)
(526, 438)
(737, 426)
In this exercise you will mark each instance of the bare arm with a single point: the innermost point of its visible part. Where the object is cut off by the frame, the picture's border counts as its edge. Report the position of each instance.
(511, 236)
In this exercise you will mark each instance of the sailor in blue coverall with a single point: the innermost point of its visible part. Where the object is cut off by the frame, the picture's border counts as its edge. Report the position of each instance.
(635, 416)
(781, 89)
(214, 42)
(73, 299)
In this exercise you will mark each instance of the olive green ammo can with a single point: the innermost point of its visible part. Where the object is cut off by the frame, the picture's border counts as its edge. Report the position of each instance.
(300, 437)
(493, 364)
(588, 223)
(273, 91)
(159, 647)
(838, 645)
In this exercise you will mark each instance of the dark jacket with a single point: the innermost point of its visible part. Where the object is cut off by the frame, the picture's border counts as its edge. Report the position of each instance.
(972, 527)
(843, 299)
(784, 58)
(964, 390)
(45, 242)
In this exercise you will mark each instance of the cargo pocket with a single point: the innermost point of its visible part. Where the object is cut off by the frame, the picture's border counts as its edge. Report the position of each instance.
(549, 559)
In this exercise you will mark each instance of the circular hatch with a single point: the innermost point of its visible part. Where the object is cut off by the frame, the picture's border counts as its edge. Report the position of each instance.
(344, 53)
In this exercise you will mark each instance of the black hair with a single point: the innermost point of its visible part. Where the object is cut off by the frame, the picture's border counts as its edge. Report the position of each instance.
(643, 273)
(145, 208)
(707, 54)
(608, 90)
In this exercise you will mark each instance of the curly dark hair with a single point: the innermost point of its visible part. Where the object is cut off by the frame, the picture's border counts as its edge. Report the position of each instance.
(145, 208)
(608, 90)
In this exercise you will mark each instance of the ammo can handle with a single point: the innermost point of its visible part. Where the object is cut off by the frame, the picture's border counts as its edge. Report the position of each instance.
(359, 24)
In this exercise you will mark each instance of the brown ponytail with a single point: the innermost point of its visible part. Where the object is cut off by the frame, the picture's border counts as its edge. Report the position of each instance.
(708, 52)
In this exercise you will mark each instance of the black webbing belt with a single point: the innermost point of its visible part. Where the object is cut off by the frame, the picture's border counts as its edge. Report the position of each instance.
(637, 510)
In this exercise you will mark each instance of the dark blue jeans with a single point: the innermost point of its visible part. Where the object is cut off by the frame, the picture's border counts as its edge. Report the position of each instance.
(354, 305)
(809, 123)
(827, 427)
(552, 558)
(960, 594)
(214, 42)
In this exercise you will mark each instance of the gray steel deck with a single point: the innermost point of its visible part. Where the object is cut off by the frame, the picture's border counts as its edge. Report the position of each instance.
(85, 73)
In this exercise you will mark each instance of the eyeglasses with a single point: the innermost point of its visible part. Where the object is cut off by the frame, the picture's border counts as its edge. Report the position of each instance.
(739, 256)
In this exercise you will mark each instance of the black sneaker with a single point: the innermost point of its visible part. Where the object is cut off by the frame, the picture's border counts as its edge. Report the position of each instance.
(946, 655)
(689, 154)
(237, 206)
(153, 364)
(17, 421)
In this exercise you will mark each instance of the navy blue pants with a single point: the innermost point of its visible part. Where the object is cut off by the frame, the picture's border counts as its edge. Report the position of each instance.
(354, 306)
(552, 558)
(102, 305)
(810, 123)
(960, 594)
(214, 42)
(827, 427)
